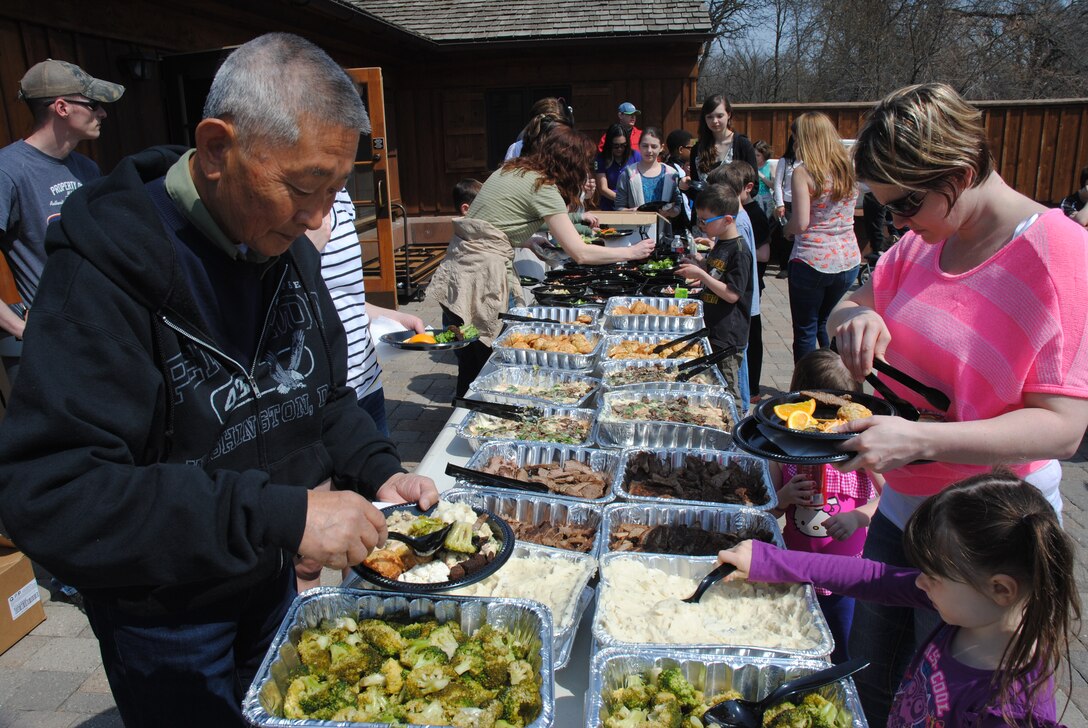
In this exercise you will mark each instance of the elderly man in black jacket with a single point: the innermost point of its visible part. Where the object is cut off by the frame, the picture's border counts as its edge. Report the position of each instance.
(181, 428)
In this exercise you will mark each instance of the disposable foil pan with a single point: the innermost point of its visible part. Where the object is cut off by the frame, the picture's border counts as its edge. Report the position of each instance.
(722, 519)
(534, 453)
(695, 568)
(753, 677)
(563, 314)
(263, 704)
(552, 359)
(649, 322)
(584, 415)
(564, 621)
(701, 347)
(493, 387)
(612, 368)
(610, 432)
(533, 509)
(675, 457)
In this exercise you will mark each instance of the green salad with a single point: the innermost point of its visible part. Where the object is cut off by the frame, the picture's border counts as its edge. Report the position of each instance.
(457, 333)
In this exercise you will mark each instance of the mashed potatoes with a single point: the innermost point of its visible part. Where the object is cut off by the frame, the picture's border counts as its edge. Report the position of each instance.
(638, 603)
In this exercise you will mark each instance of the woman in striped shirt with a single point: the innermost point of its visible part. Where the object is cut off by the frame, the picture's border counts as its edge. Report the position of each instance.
(985, 299)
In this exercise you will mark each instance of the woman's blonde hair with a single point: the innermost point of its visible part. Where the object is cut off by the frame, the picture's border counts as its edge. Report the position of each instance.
(817, 144)
(924, 137)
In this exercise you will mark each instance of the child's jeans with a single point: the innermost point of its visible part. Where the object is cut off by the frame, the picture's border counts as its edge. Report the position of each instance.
(839, 612)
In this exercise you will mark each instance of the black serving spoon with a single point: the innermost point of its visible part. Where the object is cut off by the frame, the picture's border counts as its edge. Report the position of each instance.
(500, 481)
(424, 545)
(749, 713)
(722, 571)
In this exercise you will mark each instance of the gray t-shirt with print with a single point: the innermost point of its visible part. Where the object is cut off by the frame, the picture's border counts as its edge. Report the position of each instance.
(33, 186)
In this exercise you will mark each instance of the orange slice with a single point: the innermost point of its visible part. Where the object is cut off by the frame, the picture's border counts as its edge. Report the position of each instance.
(798, 420)
(785, 410)
(421, 339)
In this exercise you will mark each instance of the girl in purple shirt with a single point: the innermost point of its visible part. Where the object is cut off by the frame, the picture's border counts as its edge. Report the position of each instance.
(998, 569)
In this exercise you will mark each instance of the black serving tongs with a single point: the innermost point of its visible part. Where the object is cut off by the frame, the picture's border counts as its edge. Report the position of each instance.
(527, 319)
(697, 334)
(500, 481)
(495, 409)
(935, 397)
(694, 367)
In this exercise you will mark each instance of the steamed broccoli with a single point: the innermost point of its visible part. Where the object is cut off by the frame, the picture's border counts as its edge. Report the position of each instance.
(465, 693)
(634, 694)
(424, 712)
(625, 717)
(313, 649)
(673, 681)
(666, 712)
(446, 639)
(772, 712)
(814, 711)
(350, 662)
(484, 717)
(424, 525)
(421, 655)
(382, 637)
(427, 679)
(469, 658)
(417, 630)
(521, 703)
(310, 696)
(459, 538)
(520, 671)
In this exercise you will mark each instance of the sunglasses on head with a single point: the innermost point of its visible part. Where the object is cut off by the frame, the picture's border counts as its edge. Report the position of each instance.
(91, 105)
(909, 204)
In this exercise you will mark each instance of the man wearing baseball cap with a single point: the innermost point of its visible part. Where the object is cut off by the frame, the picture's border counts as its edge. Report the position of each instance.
(628, 115)
(39, 172)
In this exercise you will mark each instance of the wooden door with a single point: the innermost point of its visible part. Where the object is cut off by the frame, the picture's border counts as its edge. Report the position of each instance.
(375, 192)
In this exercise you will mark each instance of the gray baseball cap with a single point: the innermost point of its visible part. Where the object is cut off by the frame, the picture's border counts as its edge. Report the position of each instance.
(50, 79)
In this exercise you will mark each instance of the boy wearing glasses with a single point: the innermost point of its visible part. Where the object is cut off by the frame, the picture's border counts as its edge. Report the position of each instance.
(726, 277)
(39, 172)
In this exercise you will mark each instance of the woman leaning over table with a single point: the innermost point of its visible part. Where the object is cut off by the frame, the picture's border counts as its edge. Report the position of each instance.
(985, 299)
(476, 281)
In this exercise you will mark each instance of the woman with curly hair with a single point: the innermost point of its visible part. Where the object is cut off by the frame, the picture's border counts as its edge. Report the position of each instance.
(476, 281)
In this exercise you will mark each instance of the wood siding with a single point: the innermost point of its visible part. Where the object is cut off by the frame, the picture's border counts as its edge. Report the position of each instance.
(1039, 147)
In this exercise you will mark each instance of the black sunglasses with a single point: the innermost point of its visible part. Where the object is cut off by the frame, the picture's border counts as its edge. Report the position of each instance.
(92, 105)
(909, 204)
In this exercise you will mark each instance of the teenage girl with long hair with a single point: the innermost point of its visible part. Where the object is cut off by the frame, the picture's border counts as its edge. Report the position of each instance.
(825, 257)
(992, 560)
(616, 157)
(476, 281)
(649, 180)
(718, 144)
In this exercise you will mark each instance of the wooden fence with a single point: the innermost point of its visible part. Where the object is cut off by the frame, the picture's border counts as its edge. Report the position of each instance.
(1039, 146)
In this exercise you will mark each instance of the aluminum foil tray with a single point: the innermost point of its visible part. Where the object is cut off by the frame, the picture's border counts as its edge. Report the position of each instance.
(649, 322)
(533, 509)
(613, 339)
(564, 314)
(492, 387)
(754, 677)
(551, 359)
(475, 441)
(718, 519)
(609, 368)
(566, 623)
(534, 453)
(676, 457)
(695, 568)
(263, 704)
(650, 433)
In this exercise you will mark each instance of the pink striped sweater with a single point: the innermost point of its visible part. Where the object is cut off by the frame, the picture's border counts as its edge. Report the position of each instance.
(1013, 325)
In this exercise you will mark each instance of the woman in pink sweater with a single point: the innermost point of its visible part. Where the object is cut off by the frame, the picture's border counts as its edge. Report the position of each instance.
(985, 299)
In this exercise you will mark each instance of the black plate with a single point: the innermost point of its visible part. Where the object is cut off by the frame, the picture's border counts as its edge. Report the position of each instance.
(764, 412)
(747, 437)
(620, 233)
(528, 280)
(499, 527)
(399, 340)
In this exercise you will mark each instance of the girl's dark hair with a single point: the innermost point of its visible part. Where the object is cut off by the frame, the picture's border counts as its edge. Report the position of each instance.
(563, 158)
(996, 523)
(537, 127)
(614, 131)
(790, 154)
(822, 369)
(708, 153)
(764, 148)
(654, 132)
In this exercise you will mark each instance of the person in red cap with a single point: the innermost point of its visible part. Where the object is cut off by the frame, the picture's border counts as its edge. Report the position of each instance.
(39, 172)
(627, 113)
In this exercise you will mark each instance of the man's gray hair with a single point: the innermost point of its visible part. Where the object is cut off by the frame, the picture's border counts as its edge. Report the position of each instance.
(267, 85)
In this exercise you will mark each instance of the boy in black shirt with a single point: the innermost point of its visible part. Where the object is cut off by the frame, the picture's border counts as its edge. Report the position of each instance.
(726, 277)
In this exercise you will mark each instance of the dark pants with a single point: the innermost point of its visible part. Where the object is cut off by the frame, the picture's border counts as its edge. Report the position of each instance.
(876, 227)
(781, 246)
(755, 357)
(812, 296)
(191, 669)
(374, 405)
(470, 359)
(839, 613)
(887, 636)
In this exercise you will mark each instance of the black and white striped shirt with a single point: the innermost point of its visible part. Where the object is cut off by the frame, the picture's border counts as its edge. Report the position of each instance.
(342, 269)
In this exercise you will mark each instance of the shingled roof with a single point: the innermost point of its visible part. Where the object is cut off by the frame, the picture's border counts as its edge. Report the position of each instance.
(482, 21)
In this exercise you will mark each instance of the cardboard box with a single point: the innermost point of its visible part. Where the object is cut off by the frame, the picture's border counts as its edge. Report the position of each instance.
(22, 610)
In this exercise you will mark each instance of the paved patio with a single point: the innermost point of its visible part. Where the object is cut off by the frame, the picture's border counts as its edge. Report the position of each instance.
(53, 677)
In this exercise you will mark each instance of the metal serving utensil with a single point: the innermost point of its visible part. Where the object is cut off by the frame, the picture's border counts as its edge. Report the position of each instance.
(424, 545)
(749, 713)
(722, 571)
(693, 367)
(698, 333)
(497, 480)
(496, 409)
(527, 319)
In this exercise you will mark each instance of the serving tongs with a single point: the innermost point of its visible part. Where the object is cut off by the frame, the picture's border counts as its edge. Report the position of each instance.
(905, 409)
(694, 367)
(528, 319)
(500, 481)
(741, 713)
(424, 545)
(697, 334)
(934, 396)
(495, 409)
